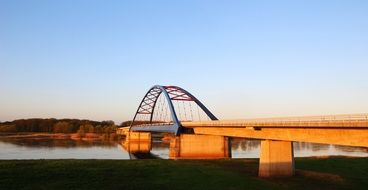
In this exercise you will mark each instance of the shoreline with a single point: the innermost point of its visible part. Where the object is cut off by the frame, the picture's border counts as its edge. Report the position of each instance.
(33, 135)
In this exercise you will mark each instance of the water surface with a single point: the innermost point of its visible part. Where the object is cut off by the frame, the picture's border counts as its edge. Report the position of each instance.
(35, 148)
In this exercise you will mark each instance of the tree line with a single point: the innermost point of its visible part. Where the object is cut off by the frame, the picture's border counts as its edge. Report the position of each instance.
(53, 125)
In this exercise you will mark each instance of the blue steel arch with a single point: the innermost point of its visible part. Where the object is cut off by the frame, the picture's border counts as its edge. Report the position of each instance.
(148, 104)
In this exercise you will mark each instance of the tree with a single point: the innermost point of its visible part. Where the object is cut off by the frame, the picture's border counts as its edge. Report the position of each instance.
(86, 128)
(125, 123)
(108, 122)
(7, 128)
(63, 127)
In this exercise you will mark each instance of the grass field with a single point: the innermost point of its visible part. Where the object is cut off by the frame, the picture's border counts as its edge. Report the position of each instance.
(312, 173)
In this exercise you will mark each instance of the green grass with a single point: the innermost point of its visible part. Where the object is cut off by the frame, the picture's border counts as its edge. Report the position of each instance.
(338, 173)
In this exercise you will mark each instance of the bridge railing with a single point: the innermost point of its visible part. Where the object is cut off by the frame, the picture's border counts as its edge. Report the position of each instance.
(354, 117)
(154, 124)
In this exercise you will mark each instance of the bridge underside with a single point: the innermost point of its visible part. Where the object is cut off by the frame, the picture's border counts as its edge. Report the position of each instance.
(349, 130)
(348, 137)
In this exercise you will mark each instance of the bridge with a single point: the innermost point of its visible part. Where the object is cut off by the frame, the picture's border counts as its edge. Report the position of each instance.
(171, 109)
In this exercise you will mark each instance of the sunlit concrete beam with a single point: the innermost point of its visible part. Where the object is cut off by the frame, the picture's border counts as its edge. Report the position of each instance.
(349, 137)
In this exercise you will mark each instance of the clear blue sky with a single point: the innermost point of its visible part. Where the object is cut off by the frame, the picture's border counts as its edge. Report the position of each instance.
(243, 59)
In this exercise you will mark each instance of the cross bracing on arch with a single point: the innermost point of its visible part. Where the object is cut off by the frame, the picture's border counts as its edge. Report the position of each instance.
(164, 107)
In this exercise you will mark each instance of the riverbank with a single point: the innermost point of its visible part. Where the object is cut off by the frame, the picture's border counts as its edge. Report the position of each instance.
(312, 173)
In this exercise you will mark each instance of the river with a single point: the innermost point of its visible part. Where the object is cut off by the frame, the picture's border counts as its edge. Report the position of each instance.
(49, 148)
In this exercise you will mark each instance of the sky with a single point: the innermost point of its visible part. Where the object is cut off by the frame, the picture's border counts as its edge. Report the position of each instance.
(95, 60)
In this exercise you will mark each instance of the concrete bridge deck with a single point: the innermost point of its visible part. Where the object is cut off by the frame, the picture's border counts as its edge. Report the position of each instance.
(331, 121)
(350, 130)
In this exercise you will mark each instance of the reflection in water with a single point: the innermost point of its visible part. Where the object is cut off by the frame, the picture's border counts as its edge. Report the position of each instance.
(246, 148)
(139, 149)
(137, 146)
(47, 148)
(243, 148)
(309, 149)
(60, 143)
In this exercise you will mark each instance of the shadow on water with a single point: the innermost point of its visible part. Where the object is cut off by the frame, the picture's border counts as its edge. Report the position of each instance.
(134, 156)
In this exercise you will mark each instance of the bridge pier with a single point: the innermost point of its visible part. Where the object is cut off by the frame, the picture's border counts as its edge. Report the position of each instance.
(276, 159)
(138, 142)
(190, 146)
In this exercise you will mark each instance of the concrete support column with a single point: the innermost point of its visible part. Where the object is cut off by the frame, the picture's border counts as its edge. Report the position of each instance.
(138, 136)
(188, 146)
(138, 142)
(276, 159)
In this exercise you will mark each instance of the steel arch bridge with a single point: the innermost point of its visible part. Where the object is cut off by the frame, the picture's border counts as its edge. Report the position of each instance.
(164, 107)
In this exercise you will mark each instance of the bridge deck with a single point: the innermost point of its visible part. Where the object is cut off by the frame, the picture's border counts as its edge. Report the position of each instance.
(351, 130)
(334, 121)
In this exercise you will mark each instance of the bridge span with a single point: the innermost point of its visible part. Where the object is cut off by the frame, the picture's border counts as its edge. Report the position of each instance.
(171, 109)
(350, 130)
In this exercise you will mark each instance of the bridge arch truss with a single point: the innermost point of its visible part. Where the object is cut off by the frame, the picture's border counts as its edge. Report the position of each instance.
(152, 105)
